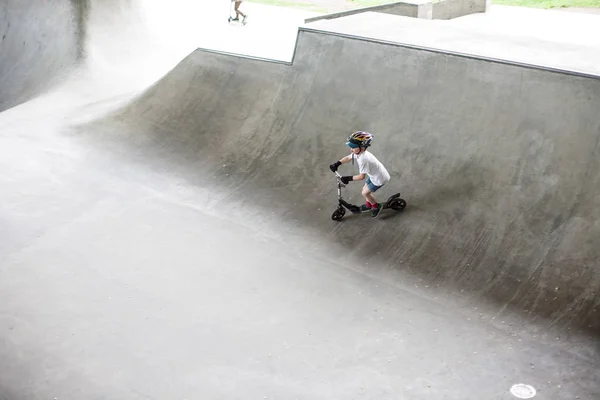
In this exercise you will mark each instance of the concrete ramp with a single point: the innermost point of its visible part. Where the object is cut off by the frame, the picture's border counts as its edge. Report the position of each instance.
(496, 161)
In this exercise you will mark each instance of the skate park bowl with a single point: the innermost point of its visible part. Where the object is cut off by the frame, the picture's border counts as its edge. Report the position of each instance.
(166, 227)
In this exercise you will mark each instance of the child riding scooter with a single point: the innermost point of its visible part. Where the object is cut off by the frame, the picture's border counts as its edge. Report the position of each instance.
(376, 175)
(369, 167)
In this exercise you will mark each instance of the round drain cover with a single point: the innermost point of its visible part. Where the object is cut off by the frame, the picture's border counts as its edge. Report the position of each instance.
(523, 391)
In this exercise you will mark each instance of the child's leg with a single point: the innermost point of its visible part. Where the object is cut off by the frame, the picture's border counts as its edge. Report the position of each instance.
(368, 190)
(370, 199)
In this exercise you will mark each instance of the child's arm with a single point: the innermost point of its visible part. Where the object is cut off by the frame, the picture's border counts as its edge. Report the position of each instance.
(346, 159)
(346, 179)
(336, 164)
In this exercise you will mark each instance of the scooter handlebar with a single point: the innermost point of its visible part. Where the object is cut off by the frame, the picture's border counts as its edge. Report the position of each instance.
(339, 179)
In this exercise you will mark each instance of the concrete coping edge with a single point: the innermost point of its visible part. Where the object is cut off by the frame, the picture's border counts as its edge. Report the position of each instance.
(454, 53)
(580, 74)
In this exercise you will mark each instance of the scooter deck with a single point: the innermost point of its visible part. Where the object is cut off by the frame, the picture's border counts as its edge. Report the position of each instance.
(236, 21)
(354, 209)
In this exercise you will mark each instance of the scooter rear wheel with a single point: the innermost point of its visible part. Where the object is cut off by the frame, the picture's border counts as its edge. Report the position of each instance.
(338, 214)
(397, 204)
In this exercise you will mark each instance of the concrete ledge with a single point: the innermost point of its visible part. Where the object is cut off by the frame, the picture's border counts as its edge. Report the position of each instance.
(448, 9)
(423, 9)
(408, 8)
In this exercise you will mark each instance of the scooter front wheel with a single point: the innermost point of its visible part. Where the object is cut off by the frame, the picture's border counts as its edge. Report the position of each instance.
(338, 214)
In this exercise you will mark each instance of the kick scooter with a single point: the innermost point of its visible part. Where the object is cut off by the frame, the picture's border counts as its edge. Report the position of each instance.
(394, 202)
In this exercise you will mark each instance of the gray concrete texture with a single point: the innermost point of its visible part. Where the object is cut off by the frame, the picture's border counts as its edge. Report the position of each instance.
(423, 9)
(489, 36)
(501, 193)
(38, 45)
(457, 8)
(175, 242)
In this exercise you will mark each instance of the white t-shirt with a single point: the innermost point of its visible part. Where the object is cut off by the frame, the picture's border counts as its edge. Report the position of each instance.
(368, 164)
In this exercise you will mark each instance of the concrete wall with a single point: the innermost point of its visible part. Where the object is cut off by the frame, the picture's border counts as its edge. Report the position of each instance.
(39, 41)
(448, 9)
(415, 9)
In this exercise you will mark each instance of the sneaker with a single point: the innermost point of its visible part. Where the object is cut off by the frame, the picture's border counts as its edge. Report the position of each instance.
(364, 207)
(244, 19)
(375, 211)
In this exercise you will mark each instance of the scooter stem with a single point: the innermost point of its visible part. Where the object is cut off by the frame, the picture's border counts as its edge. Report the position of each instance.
(339, 178)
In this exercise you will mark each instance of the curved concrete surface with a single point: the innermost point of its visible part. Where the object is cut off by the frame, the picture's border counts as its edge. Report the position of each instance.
(38, 42)
(501, 205)
(175, 242)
